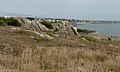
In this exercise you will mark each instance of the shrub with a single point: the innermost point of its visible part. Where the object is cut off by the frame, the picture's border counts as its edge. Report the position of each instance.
(47, 24)
(13, 22)
(9, 22)
(2, 24)
(85, 31)
(31, 18)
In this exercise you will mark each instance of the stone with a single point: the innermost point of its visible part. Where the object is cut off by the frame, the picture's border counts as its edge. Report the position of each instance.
(75, 31)
(23, 22)
(38, 27)
(65, 29)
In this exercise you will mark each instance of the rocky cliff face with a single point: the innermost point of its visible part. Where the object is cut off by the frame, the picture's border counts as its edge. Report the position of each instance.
(58, 28)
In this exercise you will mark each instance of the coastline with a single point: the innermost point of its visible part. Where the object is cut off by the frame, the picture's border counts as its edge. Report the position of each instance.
(103, 36)
(103, 30)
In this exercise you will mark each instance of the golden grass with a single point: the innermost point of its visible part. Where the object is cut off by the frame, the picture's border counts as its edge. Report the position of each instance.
(20, 53)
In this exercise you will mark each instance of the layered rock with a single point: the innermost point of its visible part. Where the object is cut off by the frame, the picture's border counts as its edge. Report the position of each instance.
(64, 29)
(23, 22)
(31, 25)
(38, 27)
(61, 29)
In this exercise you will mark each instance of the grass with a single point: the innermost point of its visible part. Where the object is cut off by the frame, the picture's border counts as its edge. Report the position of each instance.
(85, 31)
(20, 53)
(91, 39)
(30, 33)
(50, 33)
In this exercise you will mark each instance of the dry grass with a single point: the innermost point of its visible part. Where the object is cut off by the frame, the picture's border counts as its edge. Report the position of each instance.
(20, 53)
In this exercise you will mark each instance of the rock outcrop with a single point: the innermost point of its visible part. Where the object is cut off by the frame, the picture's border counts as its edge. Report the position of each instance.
(38, 27)
(34, 27)
(60, 29)
(64, 29)
(23, 22)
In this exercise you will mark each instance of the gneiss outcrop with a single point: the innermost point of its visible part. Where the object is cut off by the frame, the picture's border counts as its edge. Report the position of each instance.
(43, 30)
(64, 29)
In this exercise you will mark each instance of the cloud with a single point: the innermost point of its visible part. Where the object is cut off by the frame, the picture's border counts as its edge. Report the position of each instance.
(64, 8)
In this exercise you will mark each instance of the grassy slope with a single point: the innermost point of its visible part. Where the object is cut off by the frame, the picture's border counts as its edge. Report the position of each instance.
(20, 53)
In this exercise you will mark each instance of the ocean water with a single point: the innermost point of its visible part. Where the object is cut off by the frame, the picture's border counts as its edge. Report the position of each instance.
(103, 29)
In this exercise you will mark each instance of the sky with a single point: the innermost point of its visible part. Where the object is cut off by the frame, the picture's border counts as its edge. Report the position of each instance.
(78, 9)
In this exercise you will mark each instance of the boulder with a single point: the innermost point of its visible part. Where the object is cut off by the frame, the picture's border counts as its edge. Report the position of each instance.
(38, 27)
(65, 29)
(75, 31)
(33, 25)
(23, 22)
(62, 29)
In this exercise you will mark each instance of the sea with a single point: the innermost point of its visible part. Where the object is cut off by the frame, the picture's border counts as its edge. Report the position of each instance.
(103, 29)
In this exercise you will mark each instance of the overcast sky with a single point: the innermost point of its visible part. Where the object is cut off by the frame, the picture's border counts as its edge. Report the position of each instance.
(82, 9)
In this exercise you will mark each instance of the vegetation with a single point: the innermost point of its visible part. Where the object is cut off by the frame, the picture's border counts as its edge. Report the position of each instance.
(85, 31)
(21, 53)
(91, 39)
(30, 18)
(50, 33)
(8, 22)
(47, 24)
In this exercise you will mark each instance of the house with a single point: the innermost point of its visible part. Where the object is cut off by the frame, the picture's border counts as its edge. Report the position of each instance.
(7, 16)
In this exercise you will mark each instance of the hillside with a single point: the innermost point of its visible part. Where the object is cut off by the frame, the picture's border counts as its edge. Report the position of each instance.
(26, 49)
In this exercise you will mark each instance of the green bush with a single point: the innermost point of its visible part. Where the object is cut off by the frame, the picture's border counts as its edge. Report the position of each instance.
(47, 24)
(85, 30)
(2, 24)
(9, 22)
(31, 18)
